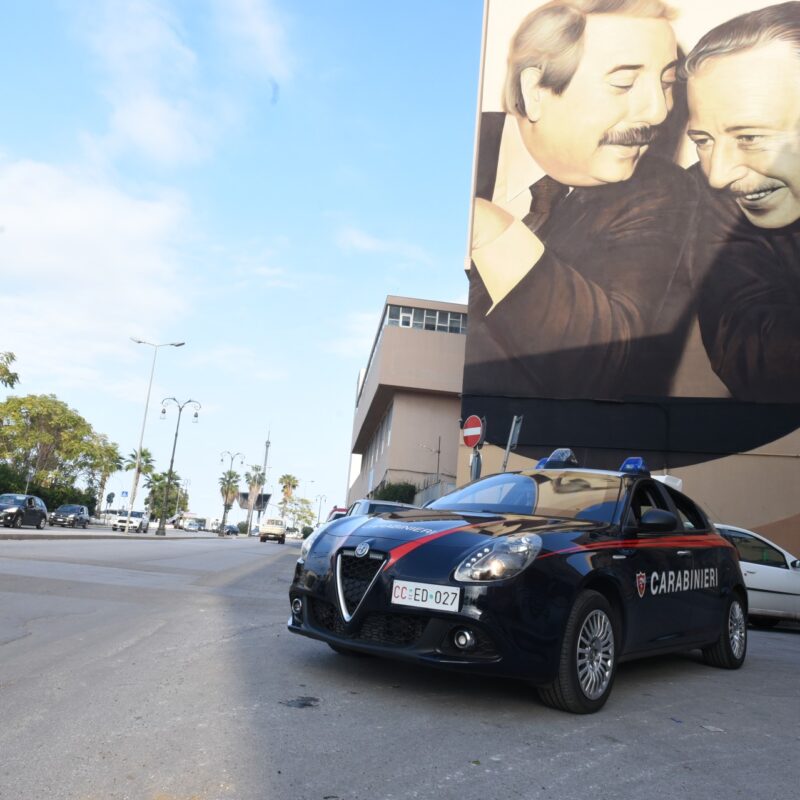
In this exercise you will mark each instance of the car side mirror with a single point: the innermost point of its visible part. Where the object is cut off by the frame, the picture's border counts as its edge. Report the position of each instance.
(795, 564)
(656, 520)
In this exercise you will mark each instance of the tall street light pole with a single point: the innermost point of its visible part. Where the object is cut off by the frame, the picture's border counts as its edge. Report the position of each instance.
(161, 530)
(321, 497)
(225, 505)
(144, 420)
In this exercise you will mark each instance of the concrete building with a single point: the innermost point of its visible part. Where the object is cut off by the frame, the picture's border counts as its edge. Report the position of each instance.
(406, 422)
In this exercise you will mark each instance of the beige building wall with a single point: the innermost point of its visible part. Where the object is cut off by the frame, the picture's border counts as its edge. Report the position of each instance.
(408, 398)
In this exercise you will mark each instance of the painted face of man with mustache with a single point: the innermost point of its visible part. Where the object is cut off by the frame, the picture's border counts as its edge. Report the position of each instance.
(598, 128)
(745, 122)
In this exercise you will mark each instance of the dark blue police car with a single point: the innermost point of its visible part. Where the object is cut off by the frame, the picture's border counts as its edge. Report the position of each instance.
(553, 574)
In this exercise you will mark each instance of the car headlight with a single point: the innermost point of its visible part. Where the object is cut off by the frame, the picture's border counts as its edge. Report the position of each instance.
(499, 559)
(71, 516)
(308, 543)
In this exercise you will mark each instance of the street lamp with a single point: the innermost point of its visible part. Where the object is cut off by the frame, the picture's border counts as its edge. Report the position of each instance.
(161, 530)
(320, 497)
(225, 505)
(144, 420)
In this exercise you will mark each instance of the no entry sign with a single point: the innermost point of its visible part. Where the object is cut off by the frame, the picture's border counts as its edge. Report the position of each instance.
(472, 431)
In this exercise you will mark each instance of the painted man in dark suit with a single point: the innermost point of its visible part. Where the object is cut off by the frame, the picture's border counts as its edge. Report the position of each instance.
(744, 103)
(576, 288)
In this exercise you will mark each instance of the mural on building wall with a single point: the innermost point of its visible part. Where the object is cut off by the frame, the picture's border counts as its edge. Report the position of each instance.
(636, 224)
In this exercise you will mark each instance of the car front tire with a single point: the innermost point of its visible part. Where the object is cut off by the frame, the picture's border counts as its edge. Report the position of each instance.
(729, 651)
(17, 523)
(588, 661)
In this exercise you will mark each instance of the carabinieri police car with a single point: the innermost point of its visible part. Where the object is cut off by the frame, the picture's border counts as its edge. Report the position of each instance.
(553, 575)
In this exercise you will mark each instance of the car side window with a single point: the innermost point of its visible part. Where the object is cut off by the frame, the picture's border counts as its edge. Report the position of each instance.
(755, 551)
(645, 497)
(688, 513)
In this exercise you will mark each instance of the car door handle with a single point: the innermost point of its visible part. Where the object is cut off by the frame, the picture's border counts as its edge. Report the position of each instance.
(684, 553)
(749, 571)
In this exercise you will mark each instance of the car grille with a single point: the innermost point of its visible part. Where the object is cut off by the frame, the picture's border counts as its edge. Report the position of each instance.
(355, 576)
(393, 629)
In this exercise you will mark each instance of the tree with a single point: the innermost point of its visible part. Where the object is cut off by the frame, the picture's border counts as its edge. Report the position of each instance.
(301, 511)
(177, 498)
(146, 466)
(255, 483)
(229, 489)
(104, 461)
(7, 377)
(42, 437)
(288, 484)
(398, 492)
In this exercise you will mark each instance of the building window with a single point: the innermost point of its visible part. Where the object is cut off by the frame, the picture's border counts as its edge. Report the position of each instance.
(426, 319)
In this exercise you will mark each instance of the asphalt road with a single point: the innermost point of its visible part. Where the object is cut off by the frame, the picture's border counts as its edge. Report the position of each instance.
(162, 670)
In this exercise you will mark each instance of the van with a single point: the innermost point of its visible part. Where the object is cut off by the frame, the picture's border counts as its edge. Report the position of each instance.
(273, 529)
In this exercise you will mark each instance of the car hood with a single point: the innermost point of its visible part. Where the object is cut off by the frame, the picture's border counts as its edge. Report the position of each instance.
(4, 506)
(417, 533)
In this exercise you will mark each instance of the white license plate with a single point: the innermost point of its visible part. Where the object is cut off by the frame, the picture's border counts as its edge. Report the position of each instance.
(426, 595)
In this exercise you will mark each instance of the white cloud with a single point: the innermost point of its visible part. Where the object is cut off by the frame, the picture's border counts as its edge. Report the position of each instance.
(82, 259)
(351, 239)
(259, 35)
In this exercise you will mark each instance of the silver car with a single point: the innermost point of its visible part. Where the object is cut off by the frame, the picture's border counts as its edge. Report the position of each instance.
(771, 574)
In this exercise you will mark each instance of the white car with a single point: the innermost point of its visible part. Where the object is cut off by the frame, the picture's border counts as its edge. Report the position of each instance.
(771, 574)
(140, 522)
(191, 525)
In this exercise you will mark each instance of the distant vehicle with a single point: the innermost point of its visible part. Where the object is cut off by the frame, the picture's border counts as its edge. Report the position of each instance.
(367, 506)
(70, 516)
(336, 513)
(231, 530)
(272, 529)
(191, 525)
(17, 510)
(771, 575)
(140, 522)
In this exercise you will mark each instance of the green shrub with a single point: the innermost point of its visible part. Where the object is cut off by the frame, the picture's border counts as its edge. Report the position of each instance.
(398, 492)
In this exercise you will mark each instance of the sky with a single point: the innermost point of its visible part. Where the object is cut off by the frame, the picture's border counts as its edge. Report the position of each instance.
(252, 177)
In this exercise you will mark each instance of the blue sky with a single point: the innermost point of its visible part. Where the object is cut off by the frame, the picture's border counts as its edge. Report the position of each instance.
(250, 176)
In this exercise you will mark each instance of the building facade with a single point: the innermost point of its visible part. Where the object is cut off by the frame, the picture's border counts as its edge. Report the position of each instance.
(406, 421)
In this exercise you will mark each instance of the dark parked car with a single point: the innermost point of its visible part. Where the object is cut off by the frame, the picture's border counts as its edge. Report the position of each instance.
(17, 510)
(231, 530)
(553, 575)
(70, 516)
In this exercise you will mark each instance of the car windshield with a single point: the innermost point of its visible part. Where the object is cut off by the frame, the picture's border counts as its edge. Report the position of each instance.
(69, 509)
(561, 494)
(136, 513)
(383, 508)
(5, 499)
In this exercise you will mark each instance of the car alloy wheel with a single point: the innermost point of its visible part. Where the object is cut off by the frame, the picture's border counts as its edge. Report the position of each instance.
(40, 525)
(595, 654)
(588, 660)
(17, 521)
(737, 629)
(729, 651)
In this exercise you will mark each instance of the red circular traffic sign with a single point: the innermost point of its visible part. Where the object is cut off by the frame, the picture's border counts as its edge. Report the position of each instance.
(472, 431)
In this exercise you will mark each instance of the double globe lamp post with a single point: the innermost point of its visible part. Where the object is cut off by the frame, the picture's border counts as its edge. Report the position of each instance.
(162, 531)
(225, 505)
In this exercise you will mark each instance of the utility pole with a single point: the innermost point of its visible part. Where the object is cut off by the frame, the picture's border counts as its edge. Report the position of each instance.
(266, 456)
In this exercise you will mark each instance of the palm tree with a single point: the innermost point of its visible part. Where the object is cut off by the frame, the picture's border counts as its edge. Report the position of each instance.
(288, 484)
(255, 482)
(228, 488)
(156, 484)
(146, 467)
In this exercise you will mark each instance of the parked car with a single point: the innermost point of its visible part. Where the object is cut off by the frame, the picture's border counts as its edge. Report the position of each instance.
(231, 530)
(191, 525)
(771, 574)
(367, 506)
(140, 522)
(552, 575)
(336, 513)
(70, 516)
(272, 529)
(17, 510)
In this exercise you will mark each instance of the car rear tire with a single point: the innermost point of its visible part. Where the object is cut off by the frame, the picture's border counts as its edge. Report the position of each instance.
(41, 523)
(282, 540)
(85, 524)
(729, 651)
(262, 539)
(588, 661)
